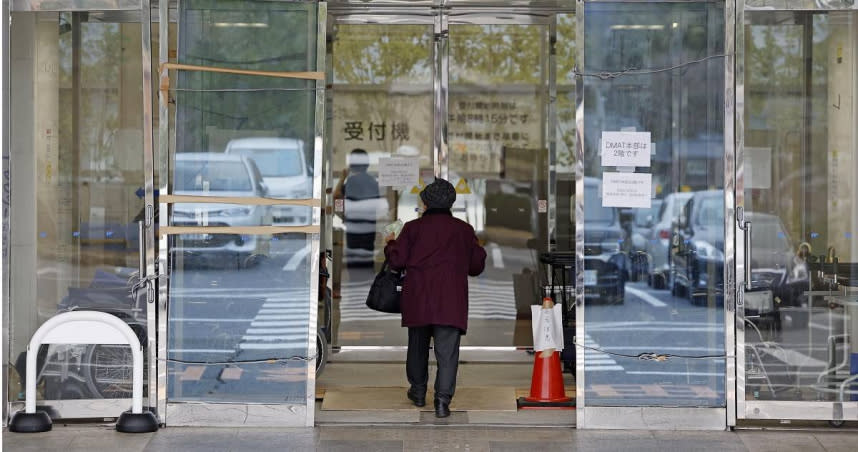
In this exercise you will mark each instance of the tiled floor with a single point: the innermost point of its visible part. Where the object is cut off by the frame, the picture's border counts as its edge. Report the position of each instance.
(425, 438)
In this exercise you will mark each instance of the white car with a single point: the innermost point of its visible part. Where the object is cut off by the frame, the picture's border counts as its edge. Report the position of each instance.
(284, 168)
(216, 174)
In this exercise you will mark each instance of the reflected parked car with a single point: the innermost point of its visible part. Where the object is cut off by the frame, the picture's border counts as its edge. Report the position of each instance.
(774, 264)
(641, 227)
(658, 240)
(214, 174)
(605, 265)
(285, 172)
(697, 250)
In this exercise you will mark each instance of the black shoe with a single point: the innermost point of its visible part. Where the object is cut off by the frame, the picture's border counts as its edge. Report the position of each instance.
(442, 408)
(418, 401)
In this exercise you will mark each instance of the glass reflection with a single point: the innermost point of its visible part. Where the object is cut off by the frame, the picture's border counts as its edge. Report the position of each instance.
(498, 160)
(801, 308)
(653, 270)
(76, 139)
(238, 326)
(381, 108)
(239, 330)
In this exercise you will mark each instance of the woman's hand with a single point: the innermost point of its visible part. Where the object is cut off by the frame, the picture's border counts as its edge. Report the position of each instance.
(390, 237)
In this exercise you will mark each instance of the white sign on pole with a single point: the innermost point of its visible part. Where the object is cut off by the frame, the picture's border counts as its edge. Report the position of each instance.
(627, 190)
(626, 149)
(398, 171)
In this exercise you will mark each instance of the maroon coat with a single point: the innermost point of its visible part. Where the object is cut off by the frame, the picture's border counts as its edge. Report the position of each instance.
(438, 253)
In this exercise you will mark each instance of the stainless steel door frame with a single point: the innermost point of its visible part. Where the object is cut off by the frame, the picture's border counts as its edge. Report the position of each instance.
(755, 409)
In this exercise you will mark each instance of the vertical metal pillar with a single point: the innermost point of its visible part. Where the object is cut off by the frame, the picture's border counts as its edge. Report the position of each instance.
(580, 374)
(160, 375)
(731, 44)
(441, 81)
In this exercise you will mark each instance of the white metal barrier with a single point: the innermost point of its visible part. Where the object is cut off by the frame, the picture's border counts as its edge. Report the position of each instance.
(85, 327)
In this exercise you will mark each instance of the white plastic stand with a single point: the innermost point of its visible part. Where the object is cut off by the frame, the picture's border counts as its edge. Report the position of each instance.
(84, 327)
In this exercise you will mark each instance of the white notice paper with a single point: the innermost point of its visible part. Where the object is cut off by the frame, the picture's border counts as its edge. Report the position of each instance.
(398, 172)
(758, 167)
(547, 328)
(626, 149)
(627, 190)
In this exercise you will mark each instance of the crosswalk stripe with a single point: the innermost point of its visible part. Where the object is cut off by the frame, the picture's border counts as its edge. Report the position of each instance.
(267, 346)
(288, 337)
(596, 368)
(276, 317)
(274, 330)
(595, 360)
(270, 323)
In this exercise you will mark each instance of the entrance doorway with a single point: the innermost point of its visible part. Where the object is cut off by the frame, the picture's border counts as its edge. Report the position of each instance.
(473, 96)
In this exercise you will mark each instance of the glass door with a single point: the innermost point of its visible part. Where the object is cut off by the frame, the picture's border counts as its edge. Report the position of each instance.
(466, 94)
(240, 204)
(497, 158)
(79, 90)
(797, 330)
(381, 107)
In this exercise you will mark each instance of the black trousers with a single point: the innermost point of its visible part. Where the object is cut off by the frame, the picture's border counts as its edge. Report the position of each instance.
(447, 339)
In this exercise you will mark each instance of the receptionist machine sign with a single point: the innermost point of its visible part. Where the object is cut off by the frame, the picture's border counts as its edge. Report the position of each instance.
(626, 149)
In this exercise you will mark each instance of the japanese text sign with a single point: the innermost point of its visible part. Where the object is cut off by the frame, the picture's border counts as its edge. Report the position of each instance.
(625, 149)
(627, 190)
(398, 171)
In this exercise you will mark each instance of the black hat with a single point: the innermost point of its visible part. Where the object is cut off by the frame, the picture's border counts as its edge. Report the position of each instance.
(440, 194)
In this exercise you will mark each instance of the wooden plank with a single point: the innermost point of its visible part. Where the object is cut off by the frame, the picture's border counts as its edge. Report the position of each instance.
(307, 75)
(248, 230)
(243, 200)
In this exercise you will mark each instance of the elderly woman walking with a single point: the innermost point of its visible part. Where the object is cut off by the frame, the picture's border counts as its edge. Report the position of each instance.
(438, 252)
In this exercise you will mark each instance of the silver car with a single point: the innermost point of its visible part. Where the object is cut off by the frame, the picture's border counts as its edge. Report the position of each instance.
(285, 171)
(216, 174)
(658, 240)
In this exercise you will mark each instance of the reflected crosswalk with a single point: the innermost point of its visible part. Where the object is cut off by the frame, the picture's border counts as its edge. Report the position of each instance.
(487, 300)
(281, 323)
(595, 360)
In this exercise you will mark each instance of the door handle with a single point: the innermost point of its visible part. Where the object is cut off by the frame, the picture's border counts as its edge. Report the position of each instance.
(141, 249)
(747, 229)
(144, 280)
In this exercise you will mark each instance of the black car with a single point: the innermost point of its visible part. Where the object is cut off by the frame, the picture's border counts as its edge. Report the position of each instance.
(697, 248)
(697, 252)
(606, 268)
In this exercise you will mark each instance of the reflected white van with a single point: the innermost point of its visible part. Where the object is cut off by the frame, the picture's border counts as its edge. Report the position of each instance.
(285, 171)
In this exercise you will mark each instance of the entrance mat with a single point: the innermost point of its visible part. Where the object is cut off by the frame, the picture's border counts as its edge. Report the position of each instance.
(498, 398)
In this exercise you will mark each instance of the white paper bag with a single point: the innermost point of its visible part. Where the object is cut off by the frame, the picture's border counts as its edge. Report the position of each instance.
(547, 328)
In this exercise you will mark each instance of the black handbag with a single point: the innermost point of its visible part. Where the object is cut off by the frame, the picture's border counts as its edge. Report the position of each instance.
(386, 291)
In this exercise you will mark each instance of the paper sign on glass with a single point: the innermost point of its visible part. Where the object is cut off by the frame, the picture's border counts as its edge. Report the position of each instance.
(758, 167)
(626, 149)
(398, 171)
(627, 190)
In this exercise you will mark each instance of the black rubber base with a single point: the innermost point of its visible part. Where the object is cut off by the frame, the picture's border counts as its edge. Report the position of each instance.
(524, 404)
(30, 422)
(144, 422)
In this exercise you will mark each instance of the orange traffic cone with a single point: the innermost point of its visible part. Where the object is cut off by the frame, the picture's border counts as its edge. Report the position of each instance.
(546, 386)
